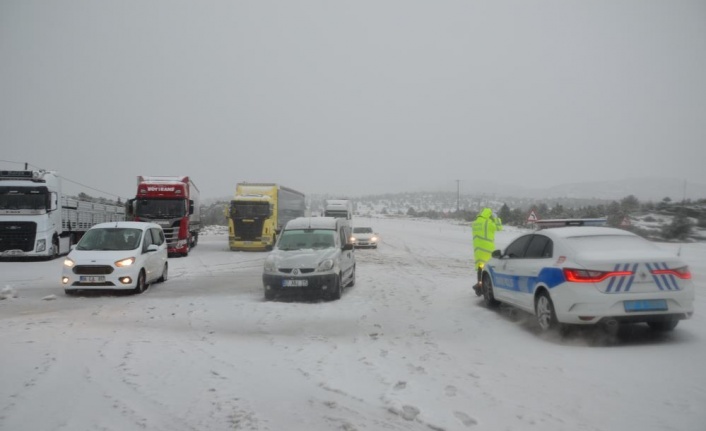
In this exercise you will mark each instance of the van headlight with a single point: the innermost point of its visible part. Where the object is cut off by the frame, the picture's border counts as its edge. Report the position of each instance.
(325, 265)
(270, 266)
(69, 263)
(125, 262)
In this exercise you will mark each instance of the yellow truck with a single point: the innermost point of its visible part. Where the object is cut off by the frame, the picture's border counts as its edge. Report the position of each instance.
(259, 211)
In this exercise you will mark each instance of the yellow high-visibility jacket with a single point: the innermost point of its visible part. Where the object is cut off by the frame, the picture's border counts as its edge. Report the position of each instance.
(483, 237)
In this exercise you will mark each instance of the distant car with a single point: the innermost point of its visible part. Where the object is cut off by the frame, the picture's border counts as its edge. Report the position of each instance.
(590, 275)
(312, 255)
(365, 237)
(117, 255)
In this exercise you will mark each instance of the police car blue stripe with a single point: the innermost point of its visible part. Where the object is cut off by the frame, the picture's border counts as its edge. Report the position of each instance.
(632, 277)
(550, 277)
(669, 279)
(654, 277)
(622, 279)
(612, 279)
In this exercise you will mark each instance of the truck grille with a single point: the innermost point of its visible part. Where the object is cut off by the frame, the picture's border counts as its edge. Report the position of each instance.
(248, 231)
(17, 235)
(93, 269)
(171, 234)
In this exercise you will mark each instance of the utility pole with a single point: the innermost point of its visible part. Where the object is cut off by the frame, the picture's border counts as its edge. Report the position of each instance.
(458, 197)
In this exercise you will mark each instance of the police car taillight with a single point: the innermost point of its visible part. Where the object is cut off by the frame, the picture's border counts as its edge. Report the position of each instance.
(590, 276)
(681, 272)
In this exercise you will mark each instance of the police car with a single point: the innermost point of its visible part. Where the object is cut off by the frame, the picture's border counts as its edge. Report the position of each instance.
(586, 275)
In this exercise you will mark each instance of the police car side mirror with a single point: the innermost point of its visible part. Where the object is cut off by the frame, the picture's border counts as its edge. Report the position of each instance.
(497, 254)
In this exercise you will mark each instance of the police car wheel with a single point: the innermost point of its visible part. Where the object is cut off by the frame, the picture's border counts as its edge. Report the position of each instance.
(488, 295)
(544, 311)
(663, 326)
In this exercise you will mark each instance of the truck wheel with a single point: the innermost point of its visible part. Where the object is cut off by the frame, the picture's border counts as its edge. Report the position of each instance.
(55, 248)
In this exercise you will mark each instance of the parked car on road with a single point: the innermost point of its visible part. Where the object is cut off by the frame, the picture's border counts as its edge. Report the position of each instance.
(364, 236)
(312, 255)
(117, 255)
(590, 275)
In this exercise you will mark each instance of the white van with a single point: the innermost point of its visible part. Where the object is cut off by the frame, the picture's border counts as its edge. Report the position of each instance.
(312, 255)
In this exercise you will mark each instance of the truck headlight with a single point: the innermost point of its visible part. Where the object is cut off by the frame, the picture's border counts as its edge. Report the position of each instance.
(325, 265)
(41, 244)
(69, 263)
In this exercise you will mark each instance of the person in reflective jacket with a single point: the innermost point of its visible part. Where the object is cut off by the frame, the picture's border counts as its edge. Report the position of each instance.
(498, 222)
(483, 242)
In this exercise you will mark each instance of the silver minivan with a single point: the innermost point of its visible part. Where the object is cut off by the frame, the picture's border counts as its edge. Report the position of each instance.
(312, 255)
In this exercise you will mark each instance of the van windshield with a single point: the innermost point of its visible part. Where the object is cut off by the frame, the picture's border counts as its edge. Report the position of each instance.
(110, 239)
(306, 239)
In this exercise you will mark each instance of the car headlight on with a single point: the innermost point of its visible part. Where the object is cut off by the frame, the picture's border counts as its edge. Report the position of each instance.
(325, 265)
(125, 262)
(374, 239)
(69, 263)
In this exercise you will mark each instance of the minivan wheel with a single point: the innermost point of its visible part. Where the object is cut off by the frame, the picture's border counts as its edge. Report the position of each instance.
(544, 311)
(352, 282)
(140, 283)
(165, 274)
(337, 290)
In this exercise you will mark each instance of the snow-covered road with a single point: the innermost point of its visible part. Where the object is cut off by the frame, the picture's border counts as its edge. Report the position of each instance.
(408, 348)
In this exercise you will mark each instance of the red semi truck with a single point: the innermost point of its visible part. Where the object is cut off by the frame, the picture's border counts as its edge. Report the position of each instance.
(174, 204)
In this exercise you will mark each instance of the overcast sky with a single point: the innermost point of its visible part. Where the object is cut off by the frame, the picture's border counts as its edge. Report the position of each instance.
(356, 97)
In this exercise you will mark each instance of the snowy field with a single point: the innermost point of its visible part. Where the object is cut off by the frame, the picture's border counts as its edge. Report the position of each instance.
(408, 348)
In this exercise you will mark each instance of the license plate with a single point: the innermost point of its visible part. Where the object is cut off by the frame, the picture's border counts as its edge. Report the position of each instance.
(295, 283)
(92, 279)
(646, 305)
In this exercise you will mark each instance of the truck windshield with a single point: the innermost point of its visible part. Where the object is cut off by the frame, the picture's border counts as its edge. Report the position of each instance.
(337, 214)
(249, 209)
(161, 208)
(24, 198)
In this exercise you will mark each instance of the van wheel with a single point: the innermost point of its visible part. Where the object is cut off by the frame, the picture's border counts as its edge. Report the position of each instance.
(141, 285)
(337, 288)
(165, 274)
(352, 282)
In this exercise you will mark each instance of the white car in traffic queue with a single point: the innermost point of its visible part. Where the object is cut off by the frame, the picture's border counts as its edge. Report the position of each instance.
(313, 255)
(590, 275)
(122, 255)
(364, 236)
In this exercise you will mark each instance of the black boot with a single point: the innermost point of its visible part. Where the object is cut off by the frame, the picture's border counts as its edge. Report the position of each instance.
(479, 290)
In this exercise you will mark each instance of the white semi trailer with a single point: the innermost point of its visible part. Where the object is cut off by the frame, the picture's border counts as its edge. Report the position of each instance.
(37, 220)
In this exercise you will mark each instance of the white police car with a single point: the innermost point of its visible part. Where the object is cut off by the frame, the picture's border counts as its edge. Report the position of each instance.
(588, 275)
